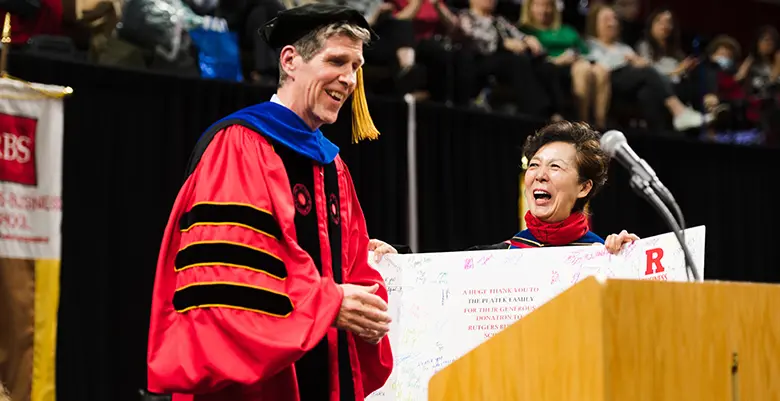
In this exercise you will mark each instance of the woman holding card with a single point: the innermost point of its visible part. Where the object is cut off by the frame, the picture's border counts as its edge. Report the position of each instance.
(566, 169)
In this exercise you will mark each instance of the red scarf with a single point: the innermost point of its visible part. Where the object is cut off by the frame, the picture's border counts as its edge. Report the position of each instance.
(563, 232)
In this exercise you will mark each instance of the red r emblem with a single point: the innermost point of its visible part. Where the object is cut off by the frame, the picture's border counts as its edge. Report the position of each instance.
(301, 199)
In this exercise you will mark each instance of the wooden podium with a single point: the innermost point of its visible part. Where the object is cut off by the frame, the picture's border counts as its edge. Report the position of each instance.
(630, 340)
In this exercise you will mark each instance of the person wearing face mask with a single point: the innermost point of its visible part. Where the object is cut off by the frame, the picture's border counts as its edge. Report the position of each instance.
(723, 54)
(721, 78)
(263, 288)
(723, 50)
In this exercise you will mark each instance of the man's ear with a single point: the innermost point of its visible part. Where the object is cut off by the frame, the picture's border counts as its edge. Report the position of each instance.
(287, 59)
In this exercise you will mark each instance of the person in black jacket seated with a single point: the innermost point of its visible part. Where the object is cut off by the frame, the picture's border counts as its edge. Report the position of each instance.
(566, 168)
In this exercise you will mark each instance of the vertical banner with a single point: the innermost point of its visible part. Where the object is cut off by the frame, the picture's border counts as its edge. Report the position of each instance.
(31, 137)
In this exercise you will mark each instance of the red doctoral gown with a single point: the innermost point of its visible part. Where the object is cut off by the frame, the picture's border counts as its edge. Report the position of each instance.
(246, 291)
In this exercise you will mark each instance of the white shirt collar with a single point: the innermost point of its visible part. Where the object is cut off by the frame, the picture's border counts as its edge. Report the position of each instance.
(275, 99)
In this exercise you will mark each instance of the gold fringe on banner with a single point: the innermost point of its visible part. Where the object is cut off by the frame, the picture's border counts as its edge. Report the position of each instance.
(6, 40)
(6, 43)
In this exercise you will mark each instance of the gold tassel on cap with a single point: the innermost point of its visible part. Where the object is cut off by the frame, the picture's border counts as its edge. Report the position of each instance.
(362, 124)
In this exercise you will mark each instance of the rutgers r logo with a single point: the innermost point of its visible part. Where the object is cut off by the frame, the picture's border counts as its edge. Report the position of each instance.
(17, 149)
(654, 265)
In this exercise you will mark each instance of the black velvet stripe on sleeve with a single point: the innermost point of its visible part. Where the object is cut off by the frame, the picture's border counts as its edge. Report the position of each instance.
(226, 295)
(237, 214)
(230, 254)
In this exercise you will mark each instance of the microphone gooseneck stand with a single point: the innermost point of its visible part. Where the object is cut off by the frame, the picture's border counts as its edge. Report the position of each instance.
(647, 185)
(668, 199)
(643, 172)
(645, 190)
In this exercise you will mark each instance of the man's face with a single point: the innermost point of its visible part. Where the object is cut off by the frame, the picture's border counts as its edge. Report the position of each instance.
(327, 80)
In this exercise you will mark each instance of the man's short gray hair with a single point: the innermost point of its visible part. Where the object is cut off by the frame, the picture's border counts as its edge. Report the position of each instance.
(313, 42)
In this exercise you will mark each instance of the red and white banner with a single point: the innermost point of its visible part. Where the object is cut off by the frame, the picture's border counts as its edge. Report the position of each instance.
(445, 304)
(31, 137)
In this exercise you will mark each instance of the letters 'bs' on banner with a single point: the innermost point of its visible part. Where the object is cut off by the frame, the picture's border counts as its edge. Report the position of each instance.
(31, 137)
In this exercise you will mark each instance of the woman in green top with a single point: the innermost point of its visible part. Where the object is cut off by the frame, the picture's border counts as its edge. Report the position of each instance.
(565, 48)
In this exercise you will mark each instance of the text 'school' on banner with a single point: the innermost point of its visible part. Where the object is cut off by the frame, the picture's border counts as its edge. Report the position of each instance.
(31, 136)
(446, 304)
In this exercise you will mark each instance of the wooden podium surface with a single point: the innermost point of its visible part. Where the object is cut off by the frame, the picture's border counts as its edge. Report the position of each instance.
(630, 340)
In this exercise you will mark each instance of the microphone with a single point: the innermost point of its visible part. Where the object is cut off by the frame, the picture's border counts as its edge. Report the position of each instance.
(645, 183)
(614, 143)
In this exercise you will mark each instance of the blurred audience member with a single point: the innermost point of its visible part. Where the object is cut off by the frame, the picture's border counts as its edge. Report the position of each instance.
(761, 68)
(565, 49)
(395, 47)
(426, 21)
(760, 75)
(629, 13)
(494, 47)
(246, 17)
(433, 24)
(722, 55)
(633, 77)
(661, 45)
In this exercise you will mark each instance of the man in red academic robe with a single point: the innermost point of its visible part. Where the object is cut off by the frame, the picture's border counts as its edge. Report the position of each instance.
(263, 289)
